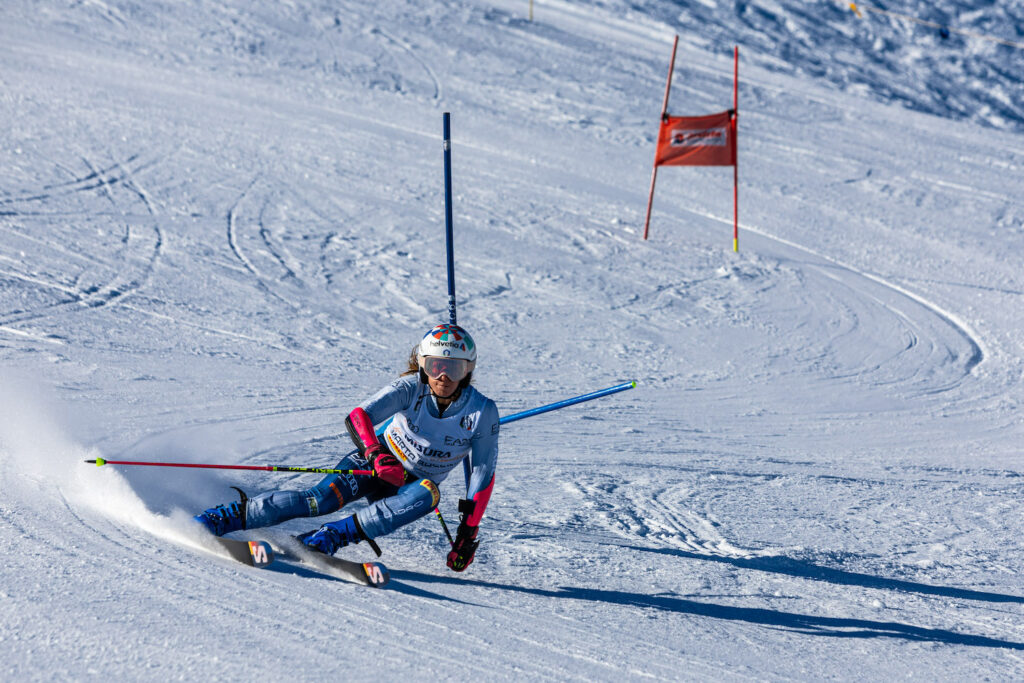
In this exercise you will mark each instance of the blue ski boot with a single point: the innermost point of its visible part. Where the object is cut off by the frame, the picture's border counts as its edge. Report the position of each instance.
(334, 535)
(224, 519)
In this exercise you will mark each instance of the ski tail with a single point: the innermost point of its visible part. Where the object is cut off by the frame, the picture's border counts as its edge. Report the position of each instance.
(377, 575)
(373, 574)
(257, 554)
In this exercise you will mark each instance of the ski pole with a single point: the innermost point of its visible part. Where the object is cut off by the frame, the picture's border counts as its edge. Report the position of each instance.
(266, 468)
(451, 541)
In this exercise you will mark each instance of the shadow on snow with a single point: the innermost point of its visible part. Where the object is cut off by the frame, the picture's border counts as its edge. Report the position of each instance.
(835, 627)
(808, 570)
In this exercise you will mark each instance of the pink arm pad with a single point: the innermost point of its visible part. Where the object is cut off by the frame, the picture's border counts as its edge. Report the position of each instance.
(481, 499)
(362, 427)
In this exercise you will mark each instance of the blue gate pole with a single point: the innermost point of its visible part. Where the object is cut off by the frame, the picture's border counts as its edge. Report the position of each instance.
(449, 231)
(549, 407)
(568, 402)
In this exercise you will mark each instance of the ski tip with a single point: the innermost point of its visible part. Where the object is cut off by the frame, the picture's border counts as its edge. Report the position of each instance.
(377, 575)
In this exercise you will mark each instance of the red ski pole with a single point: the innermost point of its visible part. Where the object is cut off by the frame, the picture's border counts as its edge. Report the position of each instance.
(267, 468)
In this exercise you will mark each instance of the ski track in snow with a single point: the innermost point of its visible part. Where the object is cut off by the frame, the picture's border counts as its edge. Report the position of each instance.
(138, 250)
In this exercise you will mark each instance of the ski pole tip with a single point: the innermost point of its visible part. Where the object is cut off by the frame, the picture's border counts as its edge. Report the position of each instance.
(633, 384)
(98, 462)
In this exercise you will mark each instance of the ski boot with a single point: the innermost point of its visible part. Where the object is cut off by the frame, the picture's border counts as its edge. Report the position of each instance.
(224, 519)
(334, 535)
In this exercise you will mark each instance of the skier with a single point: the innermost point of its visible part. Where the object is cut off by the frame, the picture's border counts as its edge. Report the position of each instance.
(439, 421)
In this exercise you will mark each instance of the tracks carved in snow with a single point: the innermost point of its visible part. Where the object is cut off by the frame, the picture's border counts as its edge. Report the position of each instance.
(106, 278)
(662, 515)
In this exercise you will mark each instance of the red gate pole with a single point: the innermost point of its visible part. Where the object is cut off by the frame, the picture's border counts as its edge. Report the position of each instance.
(735, 155)
(650, 200)
(664, 109)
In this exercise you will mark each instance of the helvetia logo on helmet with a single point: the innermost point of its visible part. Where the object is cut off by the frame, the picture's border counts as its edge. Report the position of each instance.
(448, 345)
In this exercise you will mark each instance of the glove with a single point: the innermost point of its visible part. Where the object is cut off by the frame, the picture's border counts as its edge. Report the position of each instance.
(385, 466)
(461, 555)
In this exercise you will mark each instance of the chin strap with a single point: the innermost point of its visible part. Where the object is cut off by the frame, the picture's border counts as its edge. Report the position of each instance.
(453, 398)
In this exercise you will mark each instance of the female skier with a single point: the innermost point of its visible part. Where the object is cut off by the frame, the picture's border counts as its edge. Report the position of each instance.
(439, 421)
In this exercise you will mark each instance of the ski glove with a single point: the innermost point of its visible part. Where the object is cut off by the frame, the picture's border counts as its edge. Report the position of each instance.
(461, 555)
(385, 466)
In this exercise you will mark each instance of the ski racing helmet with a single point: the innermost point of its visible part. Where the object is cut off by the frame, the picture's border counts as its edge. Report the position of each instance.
(448, 350)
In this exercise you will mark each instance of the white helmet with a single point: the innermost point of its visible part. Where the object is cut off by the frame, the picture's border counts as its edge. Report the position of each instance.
(448, 341)
(446, 350)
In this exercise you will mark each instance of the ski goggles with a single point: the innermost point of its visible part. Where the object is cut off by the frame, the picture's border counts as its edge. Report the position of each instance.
(455, 368)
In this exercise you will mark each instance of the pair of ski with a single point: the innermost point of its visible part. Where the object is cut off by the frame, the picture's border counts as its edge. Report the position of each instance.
(259, 554)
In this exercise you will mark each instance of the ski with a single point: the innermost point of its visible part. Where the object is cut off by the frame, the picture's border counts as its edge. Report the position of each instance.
(257, 554)
(373, 574)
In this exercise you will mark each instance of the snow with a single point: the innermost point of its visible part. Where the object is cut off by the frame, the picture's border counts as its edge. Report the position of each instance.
(221, 227)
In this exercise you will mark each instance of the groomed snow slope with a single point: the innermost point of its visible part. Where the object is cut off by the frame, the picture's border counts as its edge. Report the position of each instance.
(221, 227)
